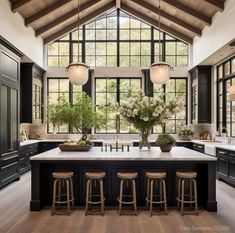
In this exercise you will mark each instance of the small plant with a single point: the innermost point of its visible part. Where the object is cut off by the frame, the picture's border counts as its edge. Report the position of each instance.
(186, 132)
(165, 139)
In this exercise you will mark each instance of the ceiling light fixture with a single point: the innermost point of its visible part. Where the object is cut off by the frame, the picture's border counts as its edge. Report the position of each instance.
(78, 71)
(159, 71)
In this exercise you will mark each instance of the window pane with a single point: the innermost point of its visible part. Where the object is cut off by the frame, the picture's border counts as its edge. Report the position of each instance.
(52, 61)
(111, 48)
(135, 48)
(124, 48)
(53, 49)
(124, 61)
(90, 34)
(64, 48)
(111, 35)
(124, 34)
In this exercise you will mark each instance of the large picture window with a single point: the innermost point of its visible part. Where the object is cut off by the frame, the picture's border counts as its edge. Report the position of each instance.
(225, 108)
(115, 90)
(175, 87)
(57, 88)
(117, 39)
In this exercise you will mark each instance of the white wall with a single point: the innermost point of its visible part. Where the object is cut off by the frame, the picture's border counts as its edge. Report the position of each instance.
(12, 28)
(217, 35)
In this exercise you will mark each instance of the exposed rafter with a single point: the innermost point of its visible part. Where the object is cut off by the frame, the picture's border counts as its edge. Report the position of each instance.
(56, 22)
(89, 4)
(164, 14)
(118, 4)
(219, 5)
(46, 11)
(17, 5)
(82, 21)
(153, 22)
(203, 18)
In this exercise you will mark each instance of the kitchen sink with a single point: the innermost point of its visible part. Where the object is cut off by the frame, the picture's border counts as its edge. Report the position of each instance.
(210, 141)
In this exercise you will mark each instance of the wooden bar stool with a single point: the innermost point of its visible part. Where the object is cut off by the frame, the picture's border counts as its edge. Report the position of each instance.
(62, 178)
(157, 177)
(185, 178)
(125, 177)
(95, 176)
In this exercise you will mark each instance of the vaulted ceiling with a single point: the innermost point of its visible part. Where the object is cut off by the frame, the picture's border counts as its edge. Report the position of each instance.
(183, 19)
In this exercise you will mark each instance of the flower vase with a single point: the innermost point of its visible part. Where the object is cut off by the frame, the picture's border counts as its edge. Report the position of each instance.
(144, 143)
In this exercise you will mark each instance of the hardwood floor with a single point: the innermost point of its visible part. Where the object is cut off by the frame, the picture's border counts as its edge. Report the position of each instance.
(15, 216)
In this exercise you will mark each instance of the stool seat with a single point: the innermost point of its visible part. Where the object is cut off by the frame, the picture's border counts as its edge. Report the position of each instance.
(95, 175)
(156, 175)
(62, 175)
(127, 175)
(186, 175)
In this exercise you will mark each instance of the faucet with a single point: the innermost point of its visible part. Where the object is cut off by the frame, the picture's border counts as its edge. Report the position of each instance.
(229, 138)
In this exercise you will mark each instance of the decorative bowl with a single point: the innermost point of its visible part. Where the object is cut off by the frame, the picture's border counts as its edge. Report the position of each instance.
(65, 147)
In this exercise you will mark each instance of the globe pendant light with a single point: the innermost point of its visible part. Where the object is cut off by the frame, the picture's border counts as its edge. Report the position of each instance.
(231, 93)
(159, 71)
(78, 71)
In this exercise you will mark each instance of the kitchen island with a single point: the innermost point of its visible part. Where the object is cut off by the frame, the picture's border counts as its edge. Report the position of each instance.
(179, 159)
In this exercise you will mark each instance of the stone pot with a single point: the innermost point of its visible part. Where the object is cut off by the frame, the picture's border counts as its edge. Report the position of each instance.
(166, 147)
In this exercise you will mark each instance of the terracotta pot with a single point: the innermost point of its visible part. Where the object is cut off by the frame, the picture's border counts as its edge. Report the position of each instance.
(166, 148)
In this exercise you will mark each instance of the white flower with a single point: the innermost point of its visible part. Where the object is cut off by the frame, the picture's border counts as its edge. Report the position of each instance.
(135, 111)
(145, 118)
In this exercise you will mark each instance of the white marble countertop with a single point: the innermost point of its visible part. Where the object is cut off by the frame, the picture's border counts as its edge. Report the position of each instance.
(176, 154)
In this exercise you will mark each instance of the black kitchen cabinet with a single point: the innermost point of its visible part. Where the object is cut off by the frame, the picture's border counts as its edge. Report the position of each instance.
(226, 165)
(25, 153)
(31, 93)
(9, 114)
(199, 147)
(200, 94)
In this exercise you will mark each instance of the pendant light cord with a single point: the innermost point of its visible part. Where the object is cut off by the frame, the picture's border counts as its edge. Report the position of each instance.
(159, 31)
(78, 30)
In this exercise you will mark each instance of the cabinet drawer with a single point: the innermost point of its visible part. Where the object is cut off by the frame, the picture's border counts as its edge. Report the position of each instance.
(198, 147)
(8, 160)
(221, 152)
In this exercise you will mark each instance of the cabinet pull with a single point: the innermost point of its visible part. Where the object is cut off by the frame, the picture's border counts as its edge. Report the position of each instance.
(222, 159)
(221, 152)
(200, 147)
(10, 157)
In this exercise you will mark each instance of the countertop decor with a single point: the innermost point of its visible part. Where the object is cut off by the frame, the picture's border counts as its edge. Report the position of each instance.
(144, 112)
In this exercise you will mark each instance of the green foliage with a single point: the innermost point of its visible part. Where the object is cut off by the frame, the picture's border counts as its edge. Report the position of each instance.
(165, 139)
(81, 115)
(185, 132)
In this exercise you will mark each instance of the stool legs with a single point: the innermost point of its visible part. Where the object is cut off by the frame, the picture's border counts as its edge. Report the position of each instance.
(182, 198)
(192, 194)
(102, 196)
(120, 199)
(134, 196)
(69, 196)
(150, 195)
(195, 196)
(89, 195)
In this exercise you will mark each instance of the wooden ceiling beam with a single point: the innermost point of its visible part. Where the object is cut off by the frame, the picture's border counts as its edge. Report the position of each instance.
(46, 11)
(56, 22)
(199, 16)
(82, 21)
(219, 5)
(65, 17)
(153, 22)
(167, 16)
(17, 5)
(88, 4)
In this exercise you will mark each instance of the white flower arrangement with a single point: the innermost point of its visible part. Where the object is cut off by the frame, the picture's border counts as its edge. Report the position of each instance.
(144, 112)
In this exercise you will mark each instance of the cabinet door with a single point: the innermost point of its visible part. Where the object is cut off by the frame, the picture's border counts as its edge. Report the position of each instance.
(231, 170)
(9, 119)
(222, 166)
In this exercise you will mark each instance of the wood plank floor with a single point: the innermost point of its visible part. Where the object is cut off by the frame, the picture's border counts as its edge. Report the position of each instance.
(15, 216)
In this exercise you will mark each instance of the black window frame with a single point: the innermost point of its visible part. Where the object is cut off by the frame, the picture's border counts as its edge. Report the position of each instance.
(224, 79)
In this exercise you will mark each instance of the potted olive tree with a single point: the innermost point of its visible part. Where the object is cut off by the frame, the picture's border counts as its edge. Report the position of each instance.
(80, 115)
(165, 141)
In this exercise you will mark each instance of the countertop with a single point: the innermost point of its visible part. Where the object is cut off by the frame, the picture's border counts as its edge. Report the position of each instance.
(176, 154)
